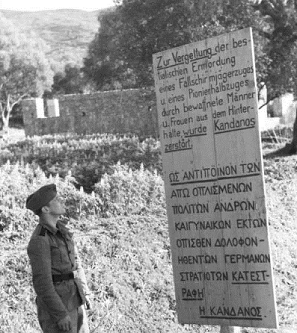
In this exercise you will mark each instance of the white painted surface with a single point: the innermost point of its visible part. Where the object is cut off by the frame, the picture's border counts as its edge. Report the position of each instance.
(213, 172)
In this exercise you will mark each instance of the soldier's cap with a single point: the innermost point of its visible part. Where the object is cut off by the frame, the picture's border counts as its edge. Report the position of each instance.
(41, 197)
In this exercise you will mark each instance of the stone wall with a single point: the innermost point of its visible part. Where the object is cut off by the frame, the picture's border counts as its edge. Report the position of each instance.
(126, 111)
(120, 111)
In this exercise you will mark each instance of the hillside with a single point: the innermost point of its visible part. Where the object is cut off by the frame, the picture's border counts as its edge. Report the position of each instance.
(67, 32)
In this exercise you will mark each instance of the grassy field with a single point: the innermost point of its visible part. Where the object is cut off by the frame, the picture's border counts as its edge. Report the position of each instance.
(126, 255)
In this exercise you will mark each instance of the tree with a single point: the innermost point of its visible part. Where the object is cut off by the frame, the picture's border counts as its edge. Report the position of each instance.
(281, 45)
(122, 50)
(281, 50)
(123, 47)
(130, 35)
(214, 17)
(24, 70)
(103, 65)
(69, 82)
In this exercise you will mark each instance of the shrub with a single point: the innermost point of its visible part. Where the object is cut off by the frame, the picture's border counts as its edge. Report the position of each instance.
(17, 182)
(88, 157)
(122, 192)
(127, 259)
(126, 192)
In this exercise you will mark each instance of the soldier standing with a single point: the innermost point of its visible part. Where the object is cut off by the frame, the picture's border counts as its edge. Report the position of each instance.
(58, 277)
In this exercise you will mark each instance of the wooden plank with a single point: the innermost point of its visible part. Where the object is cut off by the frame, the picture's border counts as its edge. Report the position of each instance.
(213, 172)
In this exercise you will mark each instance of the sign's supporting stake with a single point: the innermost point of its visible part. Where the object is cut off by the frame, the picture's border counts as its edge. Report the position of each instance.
(230, 329)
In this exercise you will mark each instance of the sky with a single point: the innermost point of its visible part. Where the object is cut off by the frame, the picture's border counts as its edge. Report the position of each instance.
(36, 5)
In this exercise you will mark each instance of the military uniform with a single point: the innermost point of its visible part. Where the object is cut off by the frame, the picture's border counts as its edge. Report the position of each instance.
(58, 278)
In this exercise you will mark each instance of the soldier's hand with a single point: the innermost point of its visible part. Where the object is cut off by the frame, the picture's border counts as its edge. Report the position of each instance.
(64, 324)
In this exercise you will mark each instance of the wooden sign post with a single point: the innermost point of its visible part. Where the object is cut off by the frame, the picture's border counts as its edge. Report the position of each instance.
(213, 173)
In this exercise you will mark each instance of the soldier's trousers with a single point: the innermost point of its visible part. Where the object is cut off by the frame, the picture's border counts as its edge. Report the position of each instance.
(78, 317)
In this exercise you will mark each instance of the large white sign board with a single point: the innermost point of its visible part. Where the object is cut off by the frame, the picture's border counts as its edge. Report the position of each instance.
(213, 172)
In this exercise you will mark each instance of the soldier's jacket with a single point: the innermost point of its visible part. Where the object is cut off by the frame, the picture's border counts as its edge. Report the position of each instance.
(52, 251)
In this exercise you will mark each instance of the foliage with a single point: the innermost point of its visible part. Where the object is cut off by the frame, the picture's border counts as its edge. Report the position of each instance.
(148, 27)
(66, 32)
(24, 70)
(281, 51)
(102, 64)
(127, 258)
(121, 53)
(122, 50)
(17, 181)
(114, 195)
(68, 82)
(211, 18)
(281, 45)
(127, 192)
(281, 185)
(87, 157)
(215, 17)
(122, 193)
(18, 313)
(12, 214)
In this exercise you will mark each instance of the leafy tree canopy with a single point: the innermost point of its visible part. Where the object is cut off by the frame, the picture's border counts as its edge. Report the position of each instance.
(70, 81)
(122, 50)
(121, 53)
(281, 45)
(24, 70)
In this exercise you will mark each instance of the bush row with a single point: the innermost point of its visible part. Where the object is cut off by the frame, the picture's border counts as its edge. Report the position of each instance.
(123, 192)
(88, 157)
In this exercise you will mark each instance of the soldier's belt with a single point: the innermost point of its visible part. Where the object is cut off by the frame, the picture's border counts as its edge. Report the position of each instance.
(63, 277)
